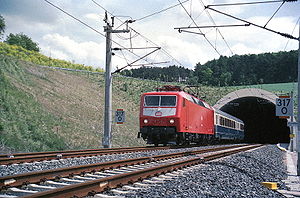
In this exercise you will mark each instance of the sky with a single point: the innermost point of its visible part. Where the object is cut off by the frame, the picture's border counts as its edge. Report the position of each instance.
(60, 36)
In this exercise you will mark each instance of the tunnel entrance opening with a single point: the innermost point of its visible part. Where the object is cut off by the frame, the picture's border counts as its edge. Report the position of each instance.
(261, 123)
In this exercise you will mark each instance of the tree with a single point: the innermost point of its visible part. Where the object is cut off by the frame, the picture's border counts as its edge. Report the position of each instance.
(23, 41)
(204, 73)
(2, 26)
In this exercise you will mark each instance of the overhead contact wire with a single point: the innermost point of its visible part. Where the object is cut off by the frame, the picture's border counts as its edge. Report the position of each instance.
(163, 10)
(80, 21)
(198, 28)
(274, 14)
(245, 3)
(167, 53)
(292, 33)
(213, 21)
(147, 39)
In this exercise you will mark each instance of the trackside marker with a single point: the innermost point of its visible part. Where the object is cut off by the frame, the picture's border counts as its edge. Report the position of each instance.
(270, 185)
(120, 116)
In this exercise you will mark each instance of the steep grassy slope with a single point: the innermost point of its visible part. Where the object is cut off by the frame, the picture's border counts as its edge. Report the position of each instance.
(46, 109)
(24, 124)
(43, 108)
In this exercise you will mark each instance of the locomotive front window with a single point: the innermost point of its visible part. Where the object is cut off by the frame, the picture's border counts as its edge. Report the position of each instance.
(152, 101)
(160, 101)
(168, 101)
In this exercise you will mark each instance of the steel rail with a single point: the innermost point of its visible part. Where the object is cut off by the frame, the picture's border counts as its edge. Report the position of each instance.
(55, 174)
(92, 187)
(71, 154)
(59, 152)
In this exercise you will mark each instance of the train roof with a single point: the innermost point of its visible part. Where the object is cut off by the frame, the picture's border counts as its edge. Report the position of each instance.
(183, 94)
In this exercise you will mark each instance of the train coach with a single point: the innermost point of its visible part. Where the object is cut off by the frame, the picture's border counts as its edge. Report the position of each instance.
(172, 116)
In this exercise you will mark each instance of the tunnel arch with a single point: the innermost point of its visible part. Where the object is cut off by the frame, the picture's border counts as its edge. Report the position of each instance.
(256, 107)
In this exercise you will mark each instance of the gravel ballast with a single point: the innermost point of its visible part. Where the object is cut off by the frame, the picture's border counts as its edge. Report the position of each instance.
(62, 163)
(235, 176)
(239, 175)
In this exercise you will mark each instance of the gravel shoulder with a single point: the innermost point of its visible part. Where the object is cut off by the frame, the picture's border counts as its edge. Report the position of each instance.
(235, 176)
(239, 175)
(14, 169)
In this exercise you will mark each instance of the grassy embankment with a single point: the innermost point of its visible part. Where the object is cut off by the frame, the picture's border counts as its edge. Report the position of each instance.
(46, 109)
(278, 88)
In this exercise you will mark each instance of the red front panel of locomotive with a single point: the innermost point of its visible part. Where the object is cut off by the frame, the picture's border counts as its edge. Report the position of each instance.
(159, 109)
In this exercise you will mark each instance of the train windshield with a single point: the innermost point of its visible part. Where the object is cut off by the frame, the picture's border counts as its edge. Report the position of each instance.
(160, 101)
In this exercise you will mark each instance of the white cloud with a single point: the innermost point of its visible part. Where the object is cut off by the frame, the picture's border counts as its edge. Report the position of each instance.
(65, 38)
(242, 49)
(89, 53)
(53, 53)
(94, 16)
(186, 52)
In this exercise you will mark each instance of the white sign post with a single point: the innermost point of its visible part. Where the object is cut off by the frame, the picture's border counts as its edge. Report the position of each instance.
(120, 116)
(284, 106)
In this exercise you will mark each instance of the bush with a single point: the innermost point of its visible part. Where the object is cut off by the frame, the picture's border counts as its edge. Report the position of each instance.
(37, 58)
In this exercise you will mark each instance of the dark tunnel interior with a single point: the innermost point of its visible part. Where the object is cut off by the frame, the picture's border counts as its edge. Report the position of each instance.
(261, 123)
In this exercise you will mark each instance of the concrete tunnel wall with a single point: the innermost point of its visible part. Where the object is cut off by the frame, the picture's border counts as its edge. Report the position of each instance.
(256, 107)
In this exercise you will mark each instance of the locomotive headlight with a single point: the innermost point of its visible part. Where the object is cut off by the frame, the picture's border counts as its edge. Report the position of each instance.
(145, 121)
(172, 121)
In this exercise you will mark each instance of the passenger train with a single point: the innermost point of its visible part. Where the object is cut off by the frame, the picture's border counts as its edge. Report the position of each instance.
(173, 116)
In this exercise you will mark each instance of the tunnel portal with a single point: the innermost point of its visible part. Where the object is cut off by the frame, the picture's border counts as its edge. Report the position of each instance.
(256, 108)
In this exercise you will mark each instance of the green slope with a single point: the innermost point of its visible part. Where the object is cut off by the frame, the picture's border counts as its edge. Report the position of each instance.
(277, 88)
(24, 124)
(49, 109)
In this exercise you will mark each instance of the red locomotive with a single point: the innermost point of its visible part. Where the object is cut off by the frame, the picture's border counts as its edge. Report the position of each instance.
(172, 116)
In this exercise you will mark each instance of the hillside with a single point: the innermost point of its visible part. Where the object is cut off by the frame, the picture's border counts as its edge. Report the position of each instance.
(46, 109)
(49, 109)
(277, 88)
(40, 59)
(43, 108)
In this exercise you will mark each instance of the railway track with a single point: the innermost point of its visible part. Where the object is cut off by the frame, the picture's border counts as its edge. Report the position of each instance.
(94, 178)
(52, 155)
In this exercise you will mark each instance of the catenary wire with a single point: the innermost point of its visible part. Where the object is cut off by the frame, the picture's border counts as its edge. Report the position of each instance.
(274, 13)
(163, 10)
(245, 3)
(147, 39)
(292, 33)
(245, 21)
(213, 21)
(85, 24)
(74, 18)
(195, 18)
(199, 28)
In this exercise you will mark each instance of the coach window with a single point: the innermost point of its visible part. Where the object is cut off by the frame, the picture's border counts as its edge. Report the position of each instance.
(242, 127)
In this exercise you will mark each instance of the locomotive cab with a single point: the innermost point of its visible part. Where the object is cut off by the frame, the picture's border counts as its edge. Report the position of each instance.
(158, 117)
